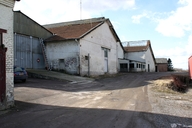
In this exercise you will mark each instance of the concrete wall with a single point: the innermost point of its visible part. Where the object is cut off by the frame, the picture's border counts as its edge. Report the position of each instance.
(63, 55)
(120, 56)
(136, 56)
(149, 61)
(6, 22)
(143, 57)
(94, 44)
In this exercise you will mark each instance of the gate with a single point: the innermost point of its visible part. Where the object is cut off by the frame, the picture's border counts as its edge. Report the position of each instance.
(2, 67)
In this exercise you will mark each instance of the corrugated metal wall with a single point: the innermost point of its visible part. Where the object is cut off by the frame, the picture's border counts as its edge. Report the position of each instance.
(27, 51)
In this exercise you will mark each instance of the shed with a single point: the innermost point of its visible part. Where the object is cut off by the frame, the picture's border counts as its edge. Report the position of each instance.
(161, 64)
(141, 56)
(28, 37)
(84, 47)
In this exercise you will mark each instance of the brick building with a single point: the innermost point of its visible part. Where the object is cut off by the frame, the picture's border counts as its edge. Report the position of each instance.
(161, 64)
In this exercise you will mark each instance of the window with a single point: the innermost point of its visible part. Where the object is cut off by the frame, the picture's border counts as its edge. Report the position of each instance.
(106, 50)
(86, 57)
(143, 66)
(61, 60)
(131, 65)
(123, 66)
(105, 53)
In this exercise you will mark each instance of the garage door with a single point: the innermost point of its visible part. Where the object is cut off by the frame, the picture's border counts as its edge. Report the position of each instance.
(28, 52)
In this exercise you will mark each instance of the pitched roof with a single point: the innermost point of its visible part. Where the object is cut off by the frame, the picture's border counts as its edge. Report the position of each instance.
(134, 46)
(161, 60)
(76, 29)
(139, 46)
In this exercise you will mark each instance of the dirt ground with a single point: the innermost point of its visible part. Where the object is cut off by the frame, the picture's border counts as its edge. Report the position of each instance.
(165, 100)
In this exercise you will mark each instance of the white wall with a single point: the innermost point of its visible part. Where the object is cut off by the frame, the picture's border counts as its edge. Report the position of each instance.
(136, 56)
(92, 44)
(67, 50)
(144, 56)
(149, 60)
(6, 22)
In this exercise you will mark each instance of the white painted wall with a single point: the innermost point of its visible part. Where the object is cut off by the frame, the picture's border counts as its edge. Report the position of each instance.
(149, 60)
(120, 51)
(136, 56)
(6, 22)
(67, 50)
(144, 56)
(92, 44)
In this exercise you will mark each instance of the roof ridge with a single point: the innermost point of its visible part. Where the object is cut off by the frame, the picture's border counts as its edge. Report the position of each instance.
(85, 21)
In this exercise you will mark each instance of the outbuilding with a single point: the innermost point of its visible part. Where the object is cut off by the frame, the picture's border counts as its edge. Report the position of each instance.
(28, 42)
(84, 47)
(161, 64)
(140, 56)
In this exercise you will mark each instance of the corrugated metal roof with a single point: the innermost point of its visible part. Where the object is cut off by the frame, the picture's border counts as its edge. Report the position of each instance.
(161, 60)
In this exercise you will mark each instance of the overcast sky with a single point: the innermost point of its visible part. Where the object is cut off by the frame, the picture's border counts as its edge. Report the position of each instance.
(166, 23)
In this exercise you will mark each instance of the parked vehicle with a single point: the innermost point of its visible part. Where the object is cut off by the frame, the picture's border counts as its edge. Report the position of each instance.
(20, 74)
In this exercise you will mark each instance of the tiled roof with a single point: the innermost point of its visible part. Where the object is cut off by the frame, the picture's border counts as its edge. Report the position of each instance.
(161, 60)
(137, 48)
(72, 30)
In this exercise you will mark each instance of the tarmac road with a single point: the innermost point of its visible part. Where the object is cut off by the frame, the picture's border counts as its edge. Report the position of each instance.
(116, 102)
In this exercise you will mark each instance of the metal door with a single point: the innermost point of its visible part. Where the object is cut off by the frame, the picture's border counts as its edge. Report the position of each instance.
(28, 52)
(106, 65)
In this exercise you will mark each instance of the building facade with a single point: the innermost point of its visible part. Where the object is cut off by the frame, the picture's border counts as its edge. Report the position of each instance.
(28, 39)
(140, 56)
(6, 24)
(85, 47)
(161, 64)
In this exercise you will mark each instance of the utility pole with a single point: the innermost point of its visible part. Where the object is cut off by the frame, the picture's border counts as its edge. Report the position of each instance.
(80, 9)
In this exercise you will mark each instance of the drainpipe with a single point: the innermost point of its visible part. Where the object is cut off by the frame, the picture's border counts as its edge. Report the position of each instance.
(88, 64)
(79, 67)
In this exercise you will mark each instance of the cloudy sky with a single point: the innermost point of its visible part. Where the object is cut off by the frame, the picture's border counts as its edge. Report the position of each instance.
(166, 23)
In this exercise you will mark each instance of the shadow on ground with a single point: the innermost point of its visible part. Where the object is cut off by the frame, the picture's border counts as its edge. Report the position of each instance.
(27, 115)
(128, 80)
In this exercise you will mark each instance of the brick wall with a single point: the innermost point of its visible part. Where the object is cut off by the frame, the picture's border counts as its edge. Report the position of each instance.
(162, 67)
(6, 22)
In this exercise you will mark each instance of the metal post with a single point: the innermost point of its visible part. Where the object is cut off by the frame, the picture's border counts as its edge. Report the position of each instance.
(88, 65)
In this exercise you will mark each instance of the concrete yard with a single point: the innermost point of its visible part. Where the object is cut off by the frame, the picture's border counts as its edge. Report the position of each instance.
(121, 101)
